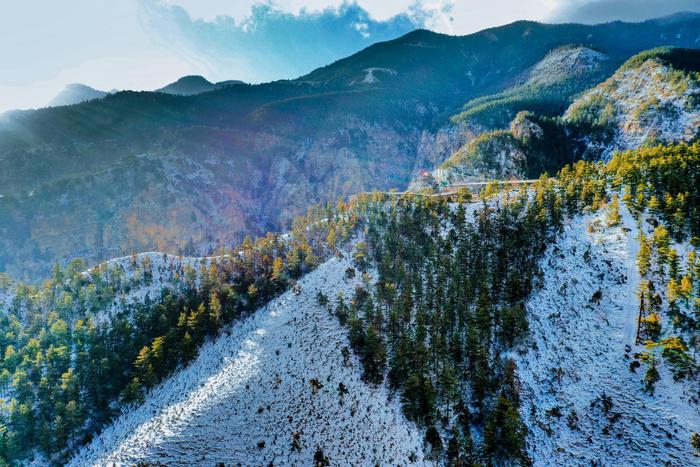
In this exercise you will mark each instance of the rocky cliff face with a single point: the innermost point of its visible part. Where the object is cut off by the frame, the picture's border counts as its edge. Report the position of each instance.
(495, 155)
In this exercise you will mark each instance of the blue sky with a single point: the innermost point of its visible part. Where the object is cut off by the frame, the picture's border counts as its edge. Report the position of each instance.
(144, 44)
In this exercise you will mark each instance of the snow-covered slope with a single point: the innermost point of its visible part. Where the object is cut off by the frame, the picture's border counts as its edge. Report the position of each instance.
(652, 99)
(249, 398)
(7, 293)
(565, 63)
(583, 325)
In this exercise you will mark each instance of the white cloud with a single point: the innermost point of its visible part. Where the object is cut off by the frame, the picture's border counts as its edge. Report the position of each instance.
(45, 45)
(272, 43)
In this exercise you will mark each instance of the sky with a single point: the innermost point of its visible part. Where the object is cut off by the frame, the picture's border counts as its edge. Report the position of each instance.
(145, 44)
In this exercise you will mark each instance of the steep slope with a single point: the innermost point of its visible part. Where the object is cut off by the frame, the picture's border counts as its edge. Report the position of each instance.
(75, 94)
(576, 361)
(531, 146)
(495, 155)
(564, 64)
(653, 99)
(547, 88)
(275, 390)
(369, 121)
(581, 401)
(194, 84)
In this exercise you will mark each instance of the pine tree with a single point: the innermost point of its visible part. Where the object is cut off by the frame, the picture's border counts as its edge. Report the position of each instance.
(132, 392)
(613, 217)
(144, 367)
(214, 310)
(504, 433)
(661, 241)
(643, 255)
(695, 441)
(278, 269)
(375, 356)
(652, 376)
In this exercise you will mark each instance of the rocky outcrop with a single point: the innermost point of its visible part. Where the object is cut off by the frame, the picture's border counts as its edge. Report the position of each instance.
(493, 155)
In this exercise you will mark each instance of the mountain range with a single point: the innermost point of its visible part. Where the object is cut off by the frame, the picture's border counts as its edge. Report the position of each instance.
(651, 99)
(186, 86)
(258, 154)
(528, 296)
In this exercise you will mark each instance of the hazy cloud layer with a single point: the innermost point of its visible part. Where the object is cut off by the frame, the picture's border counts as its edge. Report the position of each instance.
(600, 11)
(271, 43)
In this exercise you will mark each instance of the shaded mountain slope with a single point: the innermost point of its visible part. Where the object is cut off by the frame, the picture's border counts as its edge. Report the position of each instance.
(547, 88)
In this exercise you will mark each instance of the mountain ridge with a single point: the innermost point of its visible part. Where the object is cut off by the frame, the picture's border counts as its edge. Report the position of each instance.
(191, 85)
(76, 93)
(651, 99)
(265, 163)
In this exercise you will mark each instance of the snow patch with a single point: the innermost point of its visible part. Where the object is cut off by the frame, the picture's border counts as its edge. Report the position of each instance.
(370, 78)
(248, 396)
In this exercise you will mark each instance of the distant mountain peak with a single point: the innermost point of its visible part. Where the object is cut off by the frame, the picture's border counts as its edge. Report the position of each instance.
(194, 84)
(676, 17)
(76, 93)
(193, 79)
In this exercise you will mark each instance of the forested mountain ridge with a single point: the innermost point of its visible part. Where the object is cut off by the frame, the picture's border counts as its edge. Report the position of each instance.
(463, 329)
(654, 98)
(194, 84)
(372, 120)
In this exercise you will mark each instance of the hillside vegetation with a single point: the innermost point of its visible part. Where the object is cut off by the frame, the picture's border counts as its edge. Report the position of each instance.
(436, 322)
(653, 98)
